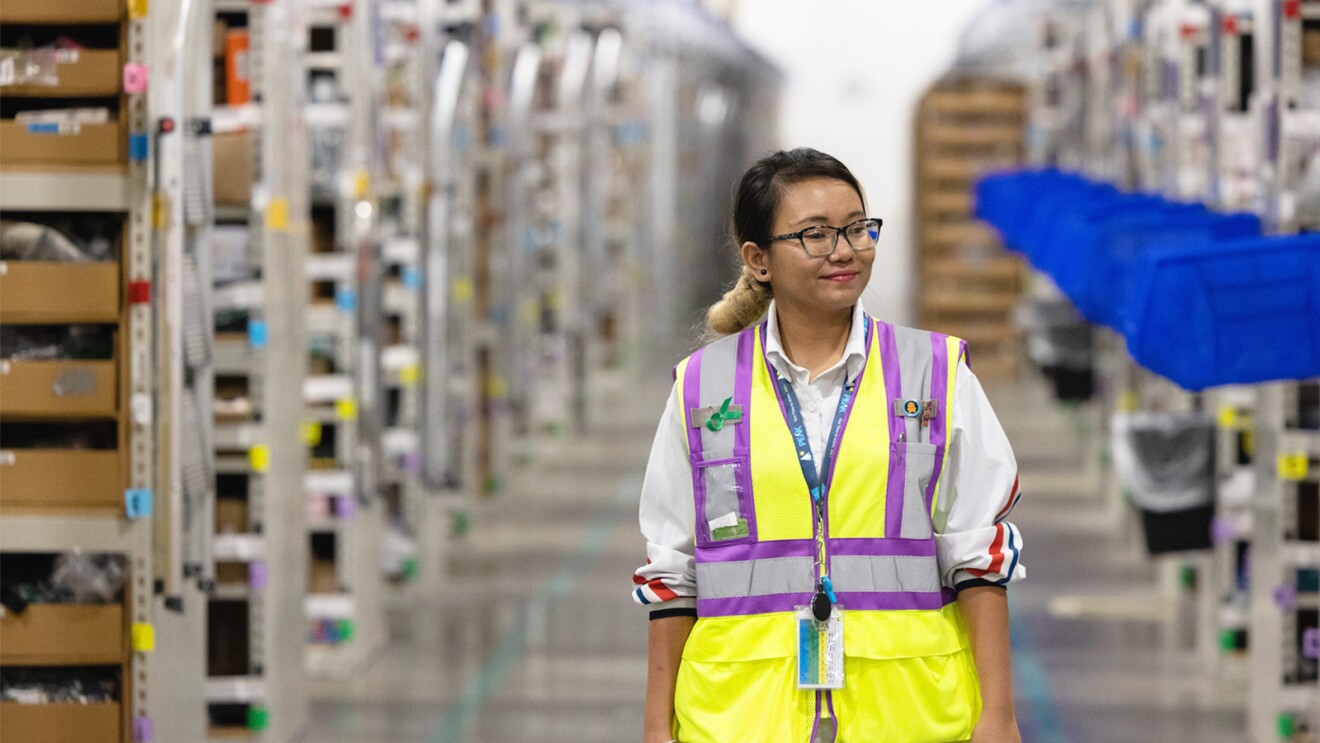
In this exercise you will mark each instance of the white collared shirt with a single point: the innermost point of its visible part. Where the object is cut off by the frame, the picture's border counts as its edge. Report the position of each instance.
(975, 545)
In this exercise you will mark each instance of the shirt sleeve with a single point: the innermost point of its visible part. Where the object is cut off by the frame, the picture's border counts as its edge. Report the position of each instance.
(976, 544)
(667, 583)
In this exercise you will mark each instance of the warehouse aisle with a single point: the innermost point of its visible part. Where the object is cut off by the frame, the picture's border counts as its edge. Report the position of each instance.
(536, 641)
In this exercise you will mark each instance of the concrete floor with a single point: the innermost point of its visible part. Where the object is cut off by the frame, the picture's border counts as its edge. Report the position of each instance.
(535, 639)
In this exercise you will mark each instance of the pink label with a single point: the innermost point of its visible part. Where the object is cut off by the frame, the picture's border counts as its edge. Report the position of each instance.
(135, 78)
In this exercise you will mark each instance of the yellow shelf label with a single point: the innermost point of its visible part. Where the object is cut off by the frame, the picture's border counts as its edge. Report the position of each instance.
(277, 214)
(497, 388)
(137, 9)
(529, 311)
(144, 637)
(361, 184)
(463, 290)
(1127, 402)
(1228, 417)
(311, 433)
(410, 374)
(1294, 466)
(346, 408)
(259, 457)
(160, 207)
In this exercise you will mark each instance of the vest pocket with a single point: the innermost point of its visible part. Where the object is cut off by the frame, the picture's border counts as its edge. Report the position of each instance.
(726, 490)
(919, 460)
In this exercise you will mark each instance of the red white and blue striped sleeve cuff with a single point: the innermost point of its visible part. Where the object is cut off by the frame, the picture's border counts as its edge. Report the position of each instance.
(988, 556)
(669, 597)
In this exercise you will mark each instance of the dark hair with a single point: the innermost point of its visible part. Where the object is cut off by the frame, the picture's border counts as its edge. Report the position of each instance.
(754, 207)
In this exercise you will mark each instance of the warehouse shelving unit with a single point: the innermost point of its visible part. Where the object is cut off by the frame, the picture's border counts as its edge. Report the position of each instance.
(1285, 564)
(344, 392)
(255, 687)
(46, 172)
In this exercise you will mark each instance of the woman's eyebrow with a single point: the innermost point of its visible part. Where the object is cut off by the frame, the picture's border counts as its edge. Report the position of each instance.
(820, 219)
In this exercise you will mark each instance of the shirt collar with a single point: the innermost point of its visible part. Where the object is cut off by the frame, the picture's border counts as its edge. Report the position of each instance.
(854, 351)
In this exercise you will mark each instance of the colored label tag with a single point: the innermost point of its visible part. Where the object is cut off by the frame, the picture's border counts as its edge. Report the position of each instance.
(277, 214)
(820, 650)
(346, 299)
(138, 147)
(138, 503)
(346, 408)
(410, 375)
(160, 206)
(361, 184)
(258, 718)
(136, 77)
(144, 730)
(463, 290)
(497, 388)
(1127, 402)
(412, 278)
(1294, 467)
(345, 506)
(137, 9)
(1228, 417)
(259, 458)
(144, 637)
(257, 335)
(258, 575)
(311, 433)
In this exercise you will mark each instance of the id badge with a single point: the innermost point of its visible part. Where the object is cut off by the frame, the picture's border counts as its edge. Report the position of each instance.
(820, 649)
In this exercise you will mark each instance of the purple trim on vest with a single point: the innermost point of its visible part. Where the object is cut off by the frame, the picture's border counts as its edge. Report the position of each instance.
(756, 550)
(692, 399)
(743, 605)
(889, 547)
(742, 393)
(897, 427)
(850, 601)
(923, 601)
(939, 390)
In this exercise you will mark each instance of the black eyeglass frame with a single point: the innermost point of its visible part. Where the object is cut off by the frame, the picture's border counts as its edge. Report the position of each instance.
(838, 232)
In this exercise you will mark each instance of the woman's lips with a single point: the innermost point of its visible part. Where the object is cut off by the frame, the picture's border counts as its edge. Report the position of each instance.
(841, 278)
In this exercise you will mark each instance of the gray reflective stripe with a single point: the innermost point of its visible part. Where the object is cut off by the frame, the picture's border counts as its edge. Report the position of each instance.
(920, 466)
(766, 577)
(892, 574)
(719, 366)
(916, 363)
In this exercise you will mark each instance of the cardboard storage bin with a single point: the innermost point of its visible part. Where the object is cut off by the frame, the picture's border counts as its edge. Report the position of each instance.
(233, 168)
(61, 723)
(50, 292)
(84, 144)
(56, 389)
(64, 635)
(231, 516)
(81, 72)
(62, 11)
(62, 481)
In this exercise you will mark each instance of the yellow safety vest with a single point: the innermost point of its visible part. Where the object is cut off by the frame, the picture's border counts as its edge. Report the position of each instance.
(909, 675)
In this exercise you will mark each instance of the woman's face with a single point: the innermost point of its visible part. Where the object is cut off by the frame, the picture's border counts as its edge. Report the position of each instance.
(814, 284)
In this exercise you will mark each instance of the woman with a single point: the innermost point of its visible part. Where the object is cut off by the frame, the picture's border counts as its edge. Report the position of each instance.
(824, 504)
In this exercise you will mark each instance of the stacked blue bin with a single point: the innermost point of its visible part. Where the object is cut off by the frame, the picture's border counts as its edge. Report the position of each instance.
(1200, 296)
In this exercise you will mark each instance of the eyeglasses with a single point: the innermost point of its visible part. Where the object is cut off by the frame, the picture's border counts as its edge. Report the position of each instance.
(821, 240)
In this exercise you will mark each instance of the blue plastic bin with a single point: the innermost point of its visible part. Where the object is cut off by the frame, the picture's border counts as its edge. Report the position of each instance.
(1239, 312)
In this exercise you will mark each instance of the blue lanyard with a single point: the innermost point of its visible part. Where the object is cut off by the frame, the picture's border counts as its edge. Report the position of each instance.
(817, 480)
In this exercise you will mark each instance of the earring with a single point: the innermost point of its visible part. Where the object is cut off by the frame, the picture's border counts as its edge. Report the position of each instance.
(764, 272)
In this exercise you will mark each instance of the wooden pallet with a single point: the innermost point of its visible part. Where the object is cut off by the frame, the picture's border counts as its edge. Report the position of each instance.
(968, 285)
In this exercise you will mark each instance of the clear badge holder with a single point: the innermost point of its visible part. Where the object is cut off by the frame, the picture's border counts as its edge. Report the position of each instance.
(820, 649)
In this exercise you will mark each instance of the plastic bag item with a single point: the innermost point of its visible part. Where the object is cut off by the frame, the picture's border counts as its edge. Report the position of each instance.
(88, 578)
(26, 241)
(1167, 462)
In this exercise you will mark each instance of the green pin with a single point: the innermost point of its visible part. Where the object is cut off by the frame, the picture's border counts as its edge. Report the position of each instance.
(718, 418)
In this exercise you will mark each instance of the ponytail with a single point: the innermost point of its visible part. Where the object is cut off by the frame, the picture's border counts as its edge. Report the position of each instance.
(741, 306)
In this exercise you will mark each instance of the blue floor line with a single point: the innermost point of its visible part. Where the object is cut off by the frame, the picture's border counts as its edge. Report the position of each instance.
(1038, 716)
(513, 645)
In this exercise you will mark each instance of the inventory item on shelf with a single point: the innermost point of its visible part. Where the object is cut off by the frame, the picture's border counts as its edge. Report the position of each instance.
(1167, 463)
(28, 241)
(73, 578)
(83, 685)
(55, 342)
